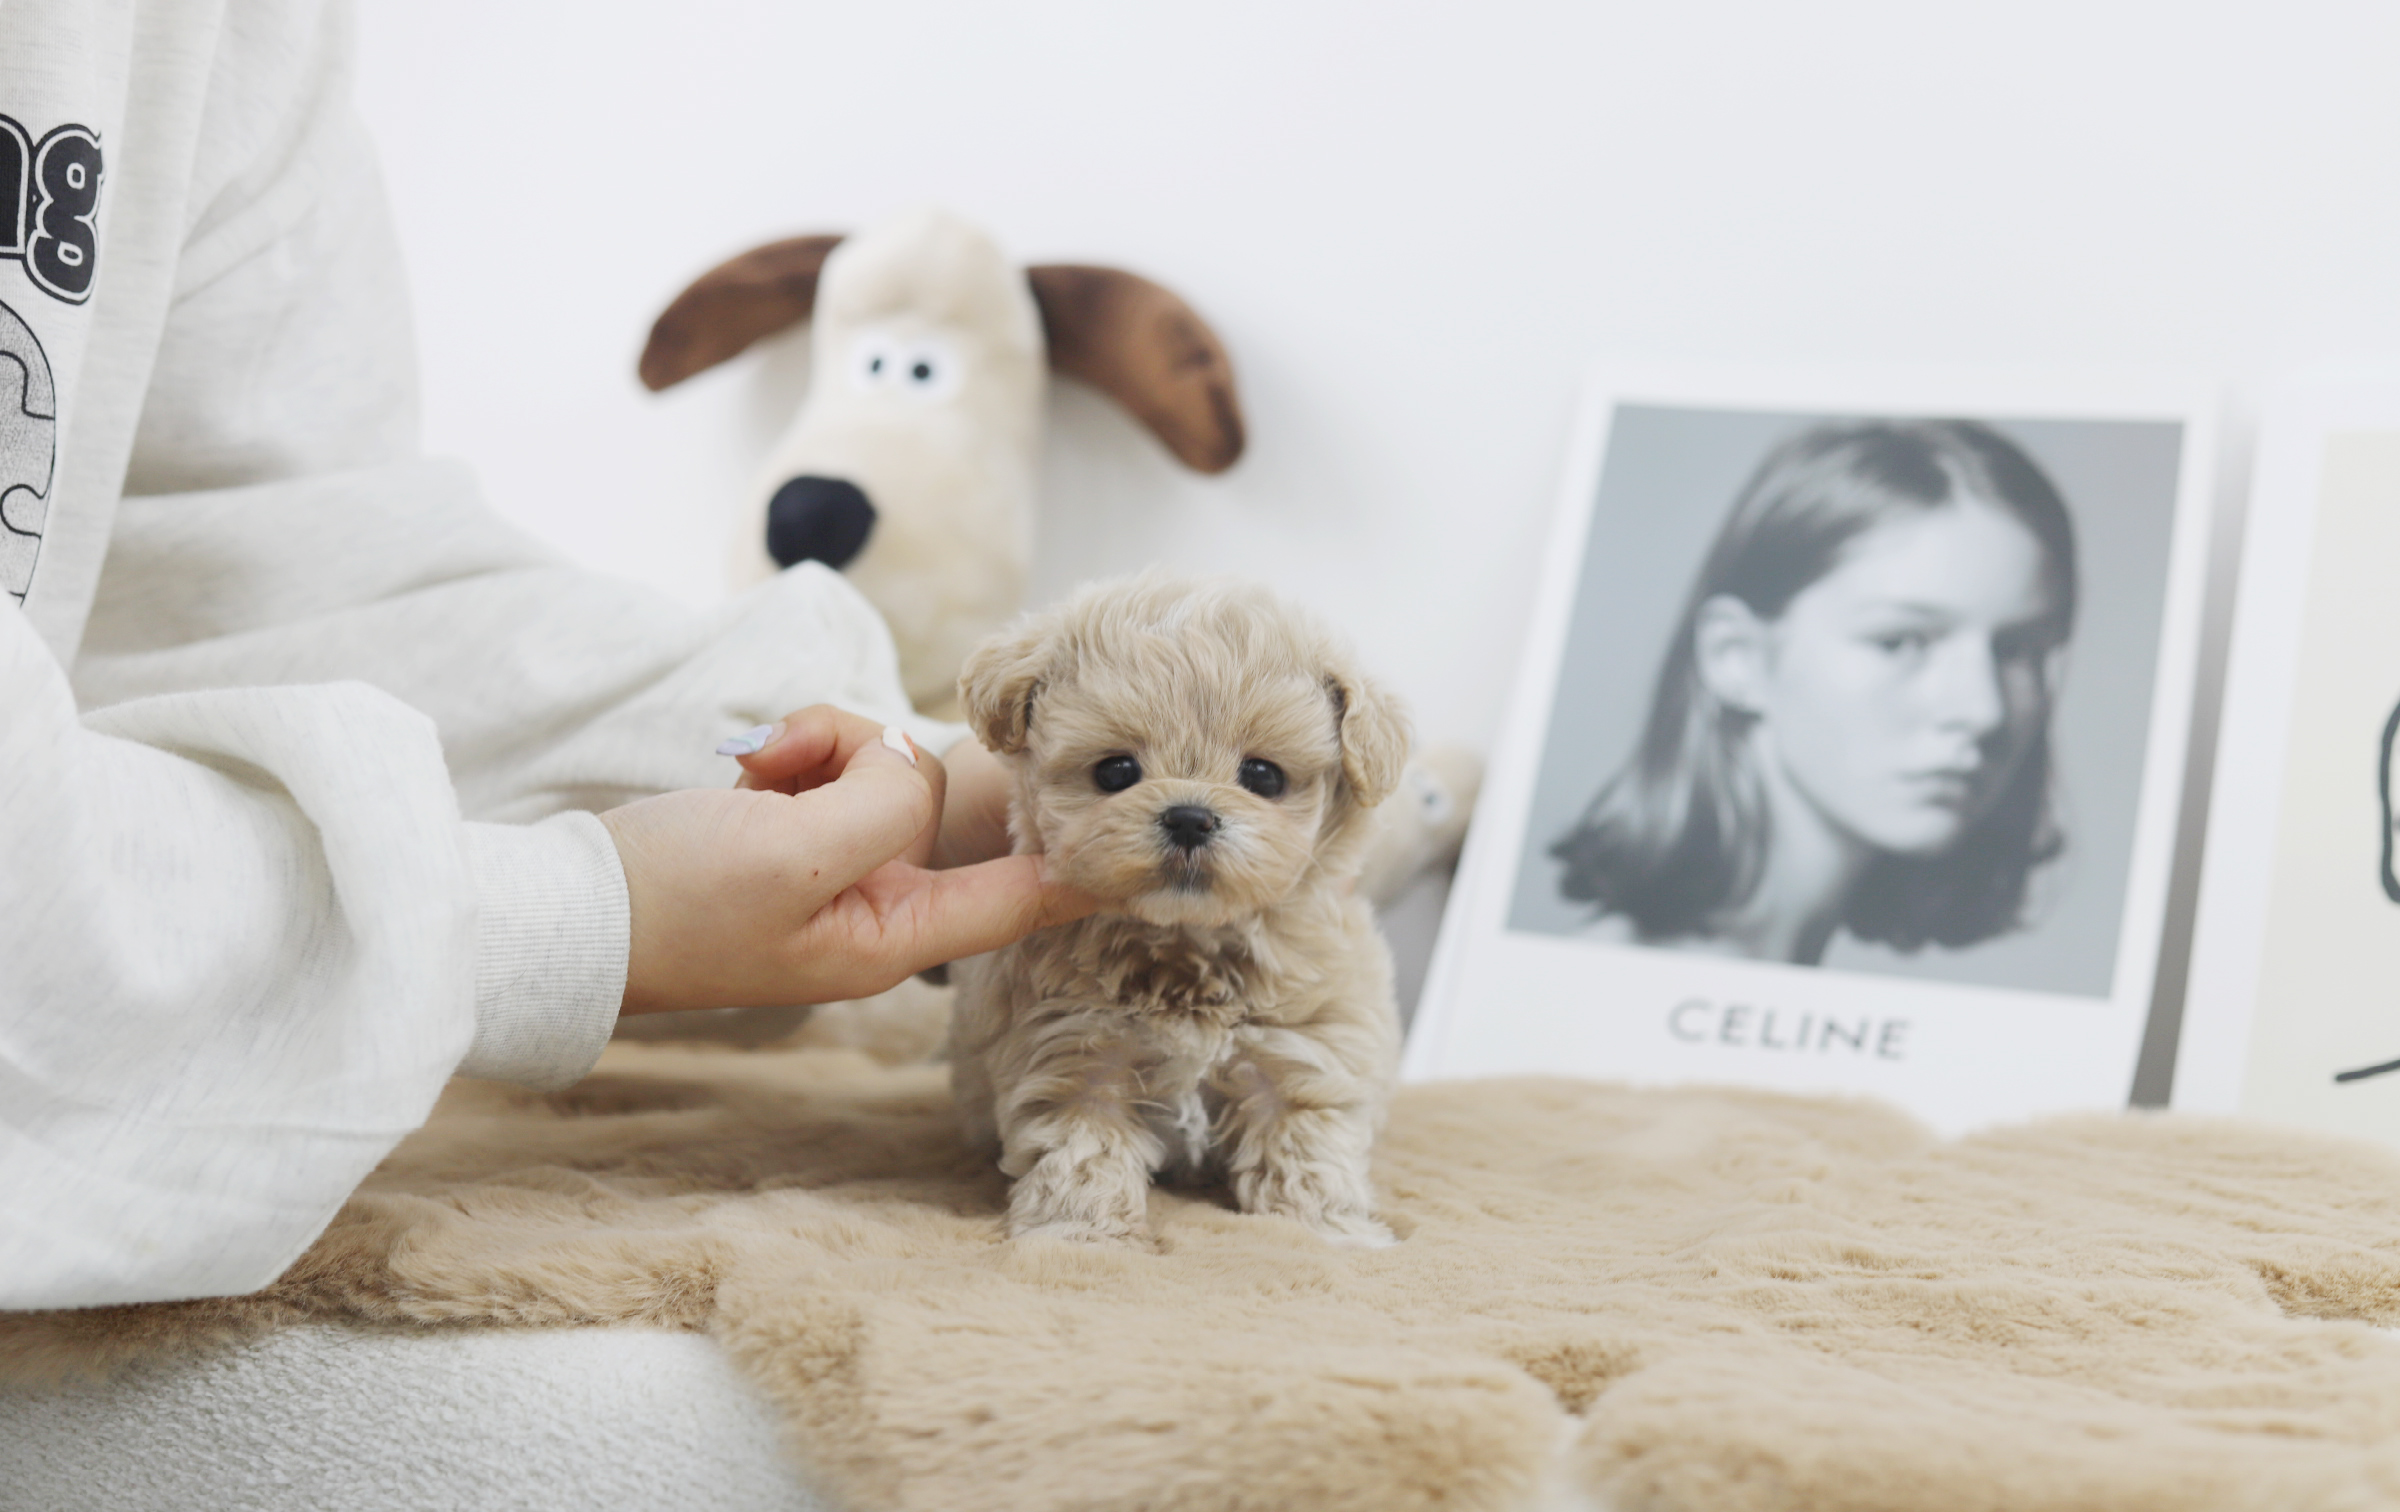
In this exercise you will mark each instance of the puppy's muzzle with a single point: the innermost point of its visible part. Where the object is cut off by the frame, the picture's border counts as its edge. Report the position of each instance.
(813, 519)
(1189, 826)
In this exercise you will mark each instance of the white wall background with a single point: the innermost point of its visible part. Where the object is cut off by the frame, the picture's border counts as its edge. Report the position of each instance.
(1414, 225)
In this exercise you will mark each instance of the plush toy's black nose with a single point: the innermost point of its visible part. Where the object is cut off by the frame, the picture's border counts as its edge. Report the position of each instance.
(1188, 826)
(818, 520)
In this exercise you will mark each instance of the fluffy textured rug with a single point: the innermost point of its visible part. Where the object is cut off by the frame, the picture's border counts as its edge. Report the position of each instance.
(1647, 1300)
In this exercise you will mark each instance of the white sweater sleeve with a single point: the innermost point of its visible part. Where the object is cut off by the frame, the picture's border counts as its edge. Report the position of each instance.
(318, 836)
(550, 948)
(241, 934)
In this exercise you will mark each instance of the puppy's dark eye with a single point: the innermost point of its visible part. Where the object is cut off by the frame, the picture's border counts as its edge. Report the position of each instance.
(1114, 774)
(1262, 777)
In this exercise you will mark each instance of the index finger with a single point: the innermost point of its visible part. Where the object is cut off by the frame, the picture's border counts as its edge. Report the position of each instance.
(973, 909)
(925, 918)
(808, 749)
(882, 808)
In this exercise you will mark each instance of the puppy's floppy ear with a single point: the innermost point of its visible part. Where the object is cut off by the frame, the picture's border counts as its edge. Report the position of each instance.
(998, 684)
(1140, 344)
(1374, 735)
(732, 305)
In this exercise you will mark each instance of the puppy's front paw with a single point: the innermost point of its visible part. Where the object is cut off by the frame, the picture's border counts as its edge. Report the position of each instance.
(1327, 1208)
(1084, 1202)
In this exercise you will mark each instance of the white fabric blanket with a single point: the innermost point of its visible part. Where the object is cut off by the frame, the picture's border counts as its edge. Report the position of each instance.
(330, 1418)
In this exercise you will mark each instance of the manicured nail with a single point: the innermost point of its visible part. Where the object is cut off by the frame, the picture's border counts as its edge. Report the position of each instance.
(752, 741)
(898, 740)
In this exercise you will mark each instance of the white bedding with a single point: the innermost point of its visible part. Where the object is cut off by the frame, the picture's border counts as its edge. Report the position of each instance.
(337, 1419)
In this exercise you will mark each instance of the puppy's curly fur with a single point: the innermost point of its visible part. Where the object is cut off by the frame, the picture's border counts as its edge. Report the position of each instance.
(1208, 759)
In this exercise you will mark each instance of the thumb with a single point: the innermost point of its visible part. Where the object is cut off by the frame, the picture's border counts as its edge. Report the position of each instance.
(971, 909)
(867, 816)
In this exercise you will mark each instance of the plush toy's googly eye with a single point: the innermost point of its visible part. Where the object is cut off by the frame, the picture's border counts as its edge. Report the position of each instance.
(875, 360)
(915, 367)
(1433, 796)
(928, 368)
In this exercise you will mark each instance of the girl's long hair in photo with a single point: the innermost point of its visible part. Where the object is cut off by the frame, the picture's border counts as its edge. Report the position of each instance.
(1681, 832)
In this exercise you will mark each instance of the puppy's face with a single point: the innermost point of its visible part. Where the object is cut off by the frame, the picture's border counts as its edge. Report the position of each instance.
(1183, 803)
(1186, 751)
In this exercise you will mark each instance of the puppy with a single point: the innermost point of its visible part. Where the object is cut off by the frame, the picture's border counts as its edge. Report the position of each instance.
(1207, 759)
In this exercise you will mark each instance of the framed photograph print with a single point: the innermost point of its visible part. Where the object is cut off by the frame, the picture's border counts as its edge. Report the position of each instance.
(1846, 750)
(2294, 1007)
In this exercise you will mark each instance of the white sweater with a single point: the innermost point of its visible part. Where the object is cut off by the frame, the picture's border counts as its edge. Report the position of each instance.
(297, 739)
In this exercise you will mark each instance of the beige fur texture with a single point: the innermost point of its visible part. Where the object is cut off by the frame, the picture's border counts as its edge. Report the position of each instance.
(1672, 1301)
(1228, 1015)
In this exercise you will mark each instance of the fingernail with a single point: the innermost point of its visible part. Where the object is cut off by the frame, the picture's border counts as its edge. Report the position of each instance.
(898, 740)
(753, 740)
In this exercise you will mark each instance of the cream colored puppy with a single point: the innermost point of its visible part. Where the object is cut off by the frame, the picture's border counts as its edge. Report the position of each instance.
(1207, 758)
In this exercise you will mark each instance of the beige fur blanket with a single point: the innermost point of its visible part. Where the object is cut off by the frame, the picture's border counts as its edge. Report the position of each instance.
(1687, 1300)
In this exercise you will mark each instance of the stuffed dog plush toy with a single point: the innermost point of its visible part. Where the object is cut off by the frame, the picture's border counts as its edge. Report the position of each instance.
(911, 464)
(1208, 759)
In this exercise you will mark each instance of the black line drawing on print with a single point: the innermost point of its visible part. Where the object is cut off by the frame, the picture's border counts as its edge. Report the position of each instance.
(2391, 881)
(2383, 792)
(28, 450)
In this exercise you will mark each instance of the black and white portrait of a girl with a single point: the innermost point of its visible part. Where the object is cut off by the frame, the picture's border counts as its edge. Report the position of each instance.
(1858, 692)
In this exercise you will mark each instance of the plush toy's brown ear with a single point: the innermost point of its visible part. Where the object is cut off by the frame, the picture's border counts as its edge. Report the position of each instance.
(732, 305)
(1145, 348)
(998, 684)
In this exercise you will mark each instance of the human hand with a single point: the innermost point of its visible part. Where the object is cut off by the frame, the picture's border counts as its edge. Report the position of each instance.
(809, 882)
(975, 808)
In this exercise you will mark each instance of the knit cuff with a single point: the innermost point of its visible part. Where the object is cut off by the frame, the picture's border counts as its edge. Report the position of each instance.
(552, 935)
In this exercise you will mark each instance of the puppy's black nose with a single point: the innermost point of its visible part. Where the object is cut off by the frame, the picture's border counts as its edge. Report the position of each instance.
(818, 520)
(1188, 826)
